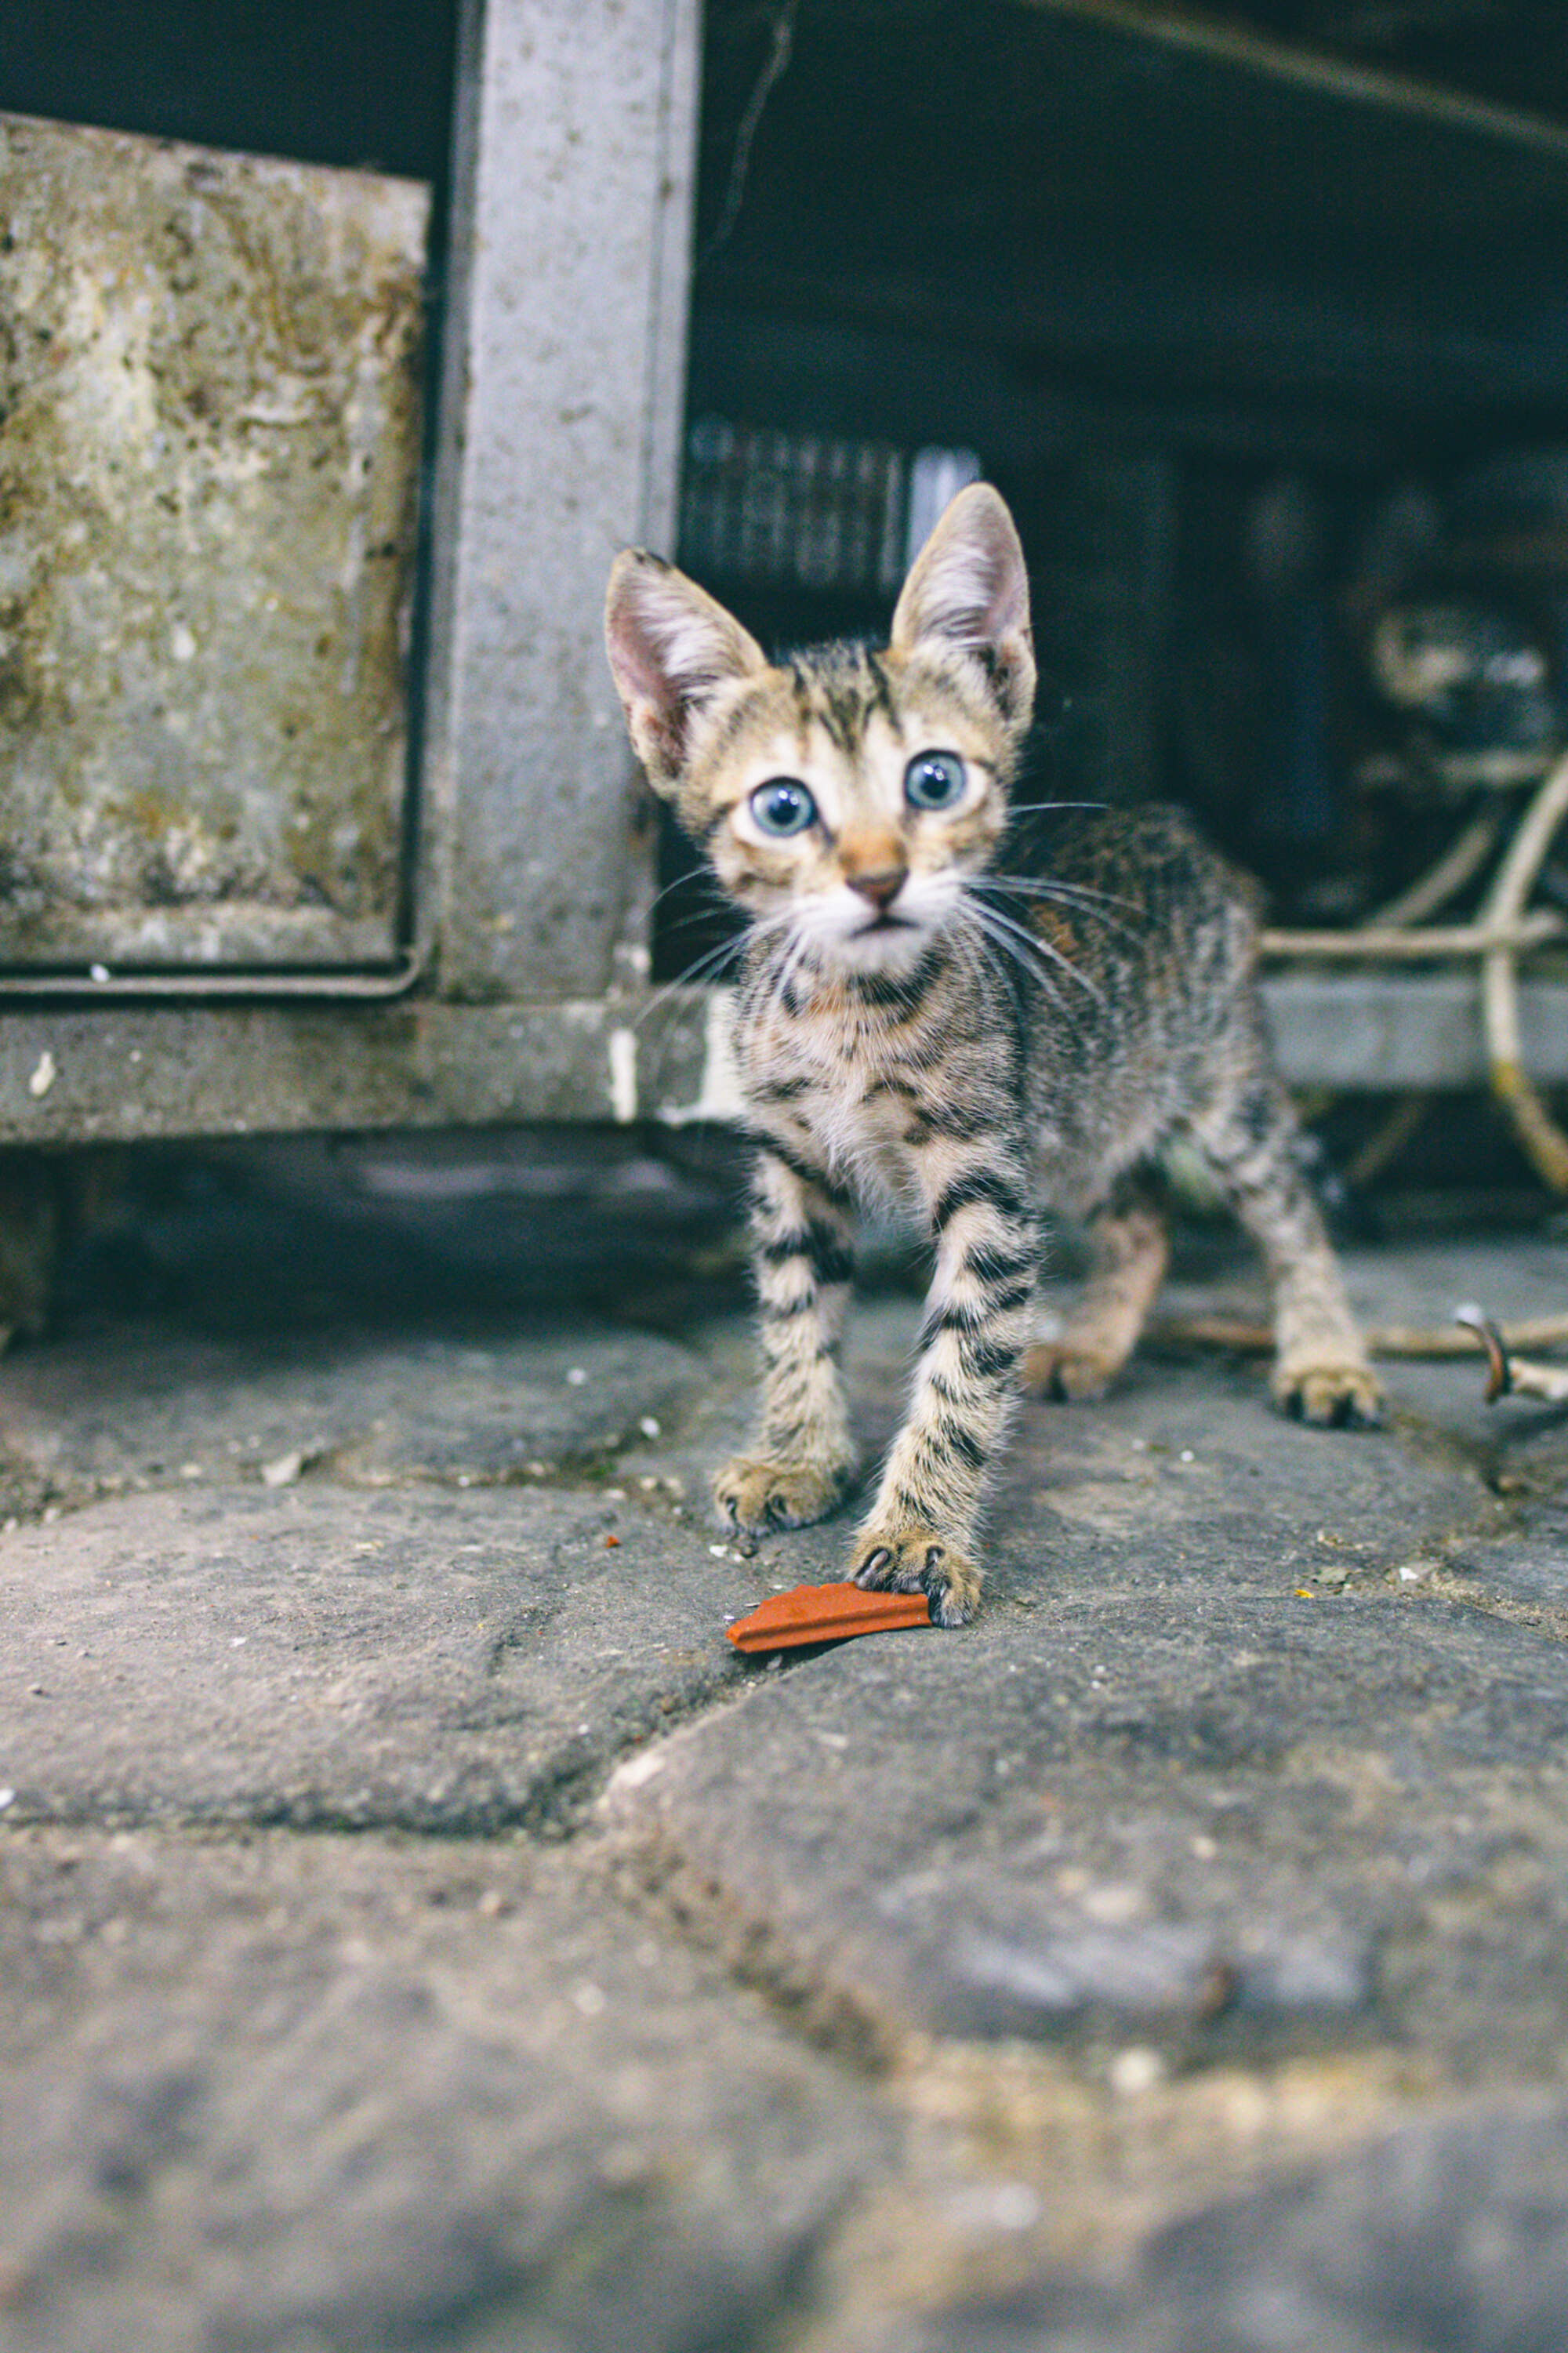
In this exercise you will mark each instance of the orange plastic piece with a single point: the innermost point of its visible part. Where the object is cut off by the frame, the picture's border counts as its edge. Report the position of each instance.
(825, 1613)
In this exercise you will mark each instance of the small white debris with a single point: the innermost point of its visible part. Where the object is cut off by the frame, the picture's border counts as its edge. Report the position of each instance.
(1187, 1455)
(44, 1075)
(649, 1426)
(1135, 2071)
(638, 1769)
(615, 1494)
(1416, 1573)
(98, 973)
(190, 1470)
(238, 1642)
(181, 644)
(576, 1376)
(1113, 1906)
(588, 2000)
(7, 1798)
(1014, 2206)
(284, 1469)
(981, 2208)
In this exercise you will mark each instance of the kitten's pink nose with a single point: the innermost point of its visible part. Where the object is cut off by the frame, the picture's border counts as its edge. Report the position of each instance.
(881, 888)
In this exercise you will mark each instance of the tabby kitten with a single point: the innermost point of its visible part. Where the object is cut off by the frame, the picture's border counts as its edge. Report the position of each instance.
(913, 1021)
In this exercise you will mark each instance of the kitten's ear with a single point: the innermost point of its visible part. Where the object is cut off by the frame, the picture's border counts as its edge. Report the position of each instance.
(969, 592)
(671, 648)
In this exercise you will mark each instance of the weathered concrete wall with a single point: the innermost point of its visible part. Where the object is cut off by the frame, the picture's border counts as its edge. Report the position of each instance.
(209, 452)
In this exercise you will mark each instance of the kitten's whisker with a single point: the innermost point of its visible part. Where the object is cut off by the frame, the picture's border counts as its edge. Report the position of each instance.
(706, 967)
(783, 975)
(984, 954)
(1005, 931)
(710, 965)
(1002, 955)
(1065, 895)
(1048, 886)
(777, 976)
(1049, 808)
(700, 915)
(696, 878)
(1018, 949)
(1005, 959)
(716, 956)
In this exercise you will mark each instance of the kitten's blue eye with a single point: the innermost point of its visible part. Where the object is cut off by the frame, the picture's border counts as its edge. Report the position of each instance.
(783, 806)
(934, 780)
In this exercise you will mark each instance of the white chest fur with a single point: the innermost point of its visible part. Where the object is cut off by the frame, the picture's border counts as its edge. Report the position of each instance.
(845, 1110)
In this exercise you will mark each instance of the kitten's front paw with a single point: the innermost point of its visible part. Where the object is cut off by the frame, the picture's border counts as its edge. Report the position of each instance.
(915, 1560)
(756, 1495)
(1334, 1397)
(1066, 1374)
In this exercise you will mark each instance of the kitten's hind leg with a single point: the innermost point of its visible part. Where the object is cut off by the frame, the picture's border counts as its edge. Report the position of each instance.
(1250, 1136)
(802, 1253)
(1130, 1245)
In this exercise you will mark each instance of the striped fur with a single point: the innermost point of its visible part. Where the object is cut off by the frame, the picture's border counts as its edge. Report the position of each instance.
(972, 1014)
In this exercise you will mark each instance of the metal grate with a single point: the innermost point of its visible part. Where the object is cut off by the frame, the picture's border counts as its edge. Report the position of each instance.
(804, 510)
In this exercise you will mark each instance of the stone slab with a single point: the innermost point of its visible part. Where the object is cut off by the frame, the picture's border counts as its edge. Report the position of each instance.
(449, 1662)
(147, 1406)
(1446, 2237)
(1528, 1572)
(333, 2096)
(1201, 1818)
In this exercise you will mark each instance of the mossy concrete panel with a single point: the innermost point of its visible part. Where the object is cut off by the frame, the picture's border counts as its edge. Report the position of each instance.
(209, 431)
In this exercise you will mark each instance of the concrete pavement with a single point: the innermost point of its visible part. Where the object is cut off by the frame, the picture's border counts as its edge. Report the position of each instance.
(420, 1928)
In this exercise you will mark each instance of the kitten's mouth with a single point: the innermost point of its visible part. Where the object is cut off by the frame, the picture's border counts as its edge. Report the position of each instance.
(884, 942)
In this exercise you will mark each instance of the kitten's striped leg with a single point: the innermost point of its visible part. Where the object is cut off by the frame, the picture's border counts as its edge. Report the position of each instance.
(1320, 1368)
(979, 1317)
(803, 1256)
(1132, 1246)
